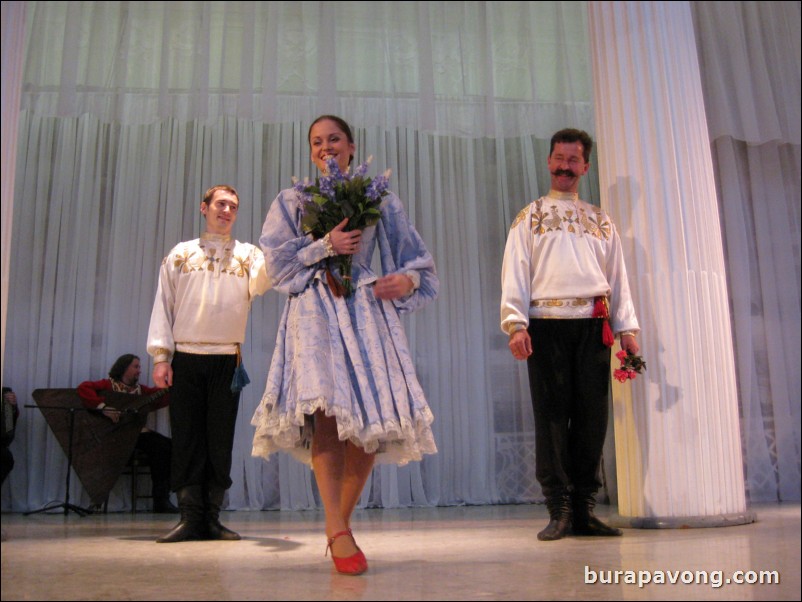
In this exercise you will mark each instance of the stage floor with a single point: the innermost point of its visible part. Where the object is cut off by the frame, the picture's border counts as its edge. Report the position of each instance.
(453, 553)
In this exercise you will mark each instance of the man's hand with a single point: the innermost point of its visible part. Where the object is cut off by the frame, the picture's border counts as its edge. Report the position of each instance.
(112, 414)
(163, 375)
(629, 344)
(520, 344)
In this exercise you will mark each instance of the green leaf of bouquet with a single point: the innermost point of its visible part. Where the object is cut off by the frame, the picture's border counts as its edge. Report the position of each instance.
(308, 223)
(347, 207)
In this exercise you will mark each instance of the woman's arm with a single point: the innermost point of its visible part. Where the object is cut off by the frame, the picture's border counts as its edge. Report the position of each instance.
(291, 257)
(404, 252)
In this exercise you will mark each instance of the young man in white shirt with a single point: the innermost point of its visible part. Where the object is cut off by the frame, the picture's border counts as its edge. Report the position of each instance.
(197, 325)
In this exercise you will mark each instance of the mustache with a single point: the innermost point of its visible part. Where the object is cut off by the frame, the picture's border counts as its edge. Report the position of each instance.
(564, 172)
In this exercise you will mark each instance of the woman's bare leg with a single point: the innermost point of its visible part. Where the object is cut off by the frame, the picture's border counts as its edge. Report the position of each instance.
(358, 466)
(328, 462)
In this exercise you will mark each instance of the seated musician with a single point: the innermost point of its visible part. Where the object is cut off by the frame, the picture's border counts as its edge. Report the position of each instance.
(10, 416)
(124, 378)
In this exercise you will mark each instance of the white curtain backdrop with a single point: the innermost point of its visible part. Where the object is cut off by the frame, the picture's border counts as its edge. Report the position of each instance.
(130, 110)
(13, 41)
(750, 63)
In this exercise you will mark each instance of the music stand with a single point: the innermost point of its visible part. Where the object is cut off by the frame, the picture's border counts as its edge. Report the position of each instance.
(97, 448)
(66, 503)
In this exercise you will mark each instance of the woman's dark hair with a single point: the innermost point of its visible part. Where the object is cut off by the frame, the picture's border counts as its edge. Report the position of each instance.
(341, 123)
(121, 365)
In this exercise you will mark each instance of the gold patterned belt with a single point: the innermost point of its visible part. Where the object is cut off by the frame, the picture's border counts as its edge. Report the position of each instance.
(566, 309)
(202, 348)
(578, 302)
(218, 344)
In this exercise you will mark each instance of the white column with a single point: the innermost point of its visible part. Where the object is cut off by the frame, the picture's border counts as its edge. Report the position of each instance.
(677, 432)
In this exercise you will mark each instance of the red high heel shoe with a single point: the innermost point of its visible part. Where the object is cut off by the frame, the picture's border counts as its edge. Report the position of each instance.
(352, 565)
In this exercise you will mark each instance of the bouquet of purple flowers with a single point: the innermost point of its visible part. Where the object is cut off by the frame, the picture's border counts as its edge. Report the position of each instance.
(333, 197)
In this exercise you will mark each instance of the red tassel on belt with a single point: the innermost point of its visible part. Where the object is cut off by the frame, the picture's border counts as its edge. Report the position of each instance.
(600, 311)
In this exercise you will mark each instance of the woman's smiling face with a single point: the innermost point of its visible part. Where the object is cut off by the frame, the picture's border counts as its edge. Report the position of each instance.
(326, 139)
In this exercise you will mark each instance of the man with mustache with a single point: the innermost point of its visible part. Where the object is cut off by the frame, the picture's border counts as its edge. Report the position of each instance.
(565, 294)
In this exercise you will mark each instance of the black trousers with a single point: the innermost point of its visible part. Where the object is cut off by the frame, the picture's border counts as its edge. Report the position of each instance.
(203, 416)
(159, 450)
(6, 462)
(569, 378)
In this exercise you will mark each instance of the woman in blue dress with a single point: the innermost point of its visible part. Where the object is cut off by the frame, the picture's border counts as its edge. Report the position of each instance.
(342, 391)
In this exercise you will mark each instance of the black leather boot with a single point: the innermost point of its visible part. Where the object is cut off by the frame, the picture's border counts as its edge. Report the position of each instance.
(585, 523)
(559, 506)
(191, 527)
(215, 530)
(163, 505)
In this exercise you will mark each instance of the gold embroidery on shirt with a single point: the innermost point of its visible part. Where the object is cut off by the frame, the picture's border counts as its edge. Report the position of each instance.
(537, 218)
(594, 222)
(185, 263)
(537, 223)
(545, 221)
(596, 225)
(190, 261)
(520, 217)
(570, 219)
(241, 266)
(210, 258)
(554, 220)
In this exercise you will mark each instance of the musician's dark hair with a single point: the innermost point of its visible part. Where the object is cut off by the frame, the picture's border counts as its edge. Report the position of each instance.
(121, 365)
(573, 135)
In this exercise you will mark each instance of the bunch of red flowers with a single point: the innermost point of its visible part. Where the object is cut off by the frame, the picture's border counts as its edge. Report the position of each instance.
(631, 366)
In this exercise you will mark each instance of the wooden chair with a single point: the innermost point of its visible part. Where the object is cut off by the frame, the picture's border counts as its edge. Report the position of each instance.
(138, 465)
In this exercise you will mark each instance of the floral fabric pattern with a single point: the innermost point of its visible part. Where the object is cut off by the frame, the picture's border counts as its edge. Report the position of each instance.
(346, 356)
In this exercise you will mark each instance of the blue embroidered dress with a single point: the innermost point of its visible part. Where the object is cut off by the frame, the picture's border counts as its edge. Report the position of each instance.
(346, 356)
